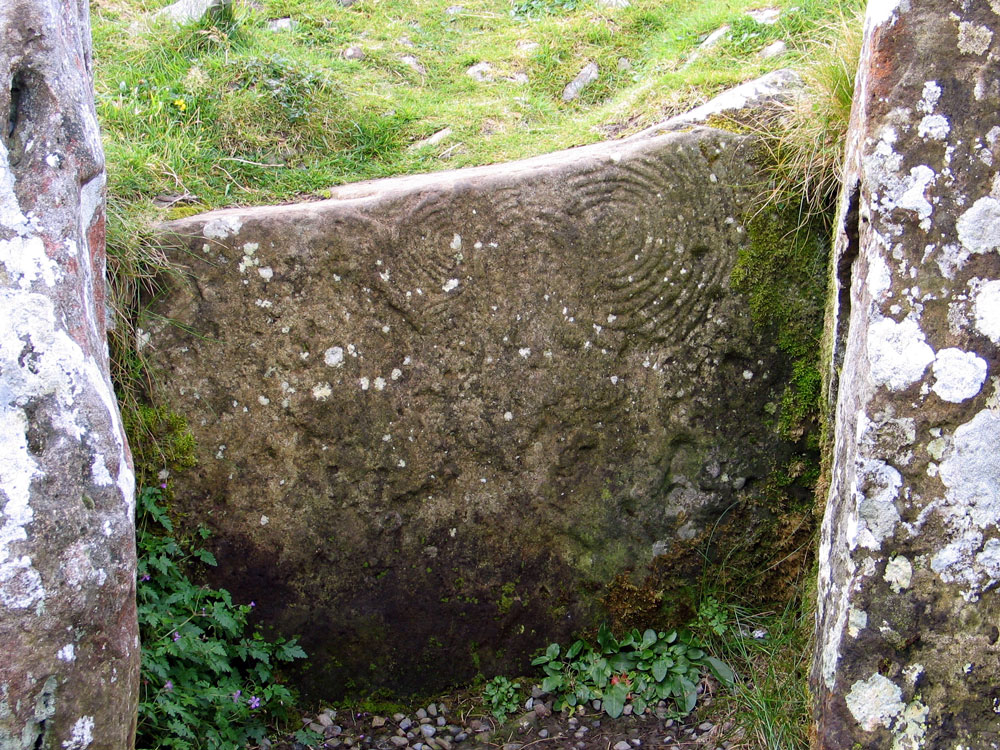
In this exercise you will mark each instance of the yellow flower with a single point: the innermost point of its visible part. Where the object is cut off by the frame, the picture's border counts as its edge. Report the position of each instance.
(181, 105)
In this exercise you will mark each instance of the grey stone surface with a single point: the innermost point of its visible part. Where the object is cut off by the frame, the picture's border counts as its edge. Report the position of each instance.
(584, 78)
(908, 612)
(69, 651)
(537, 370)
(190, 11)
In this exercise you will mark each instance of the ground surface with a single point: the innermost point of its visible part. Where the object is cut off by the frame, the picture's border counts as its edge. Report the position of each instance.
(460, 721)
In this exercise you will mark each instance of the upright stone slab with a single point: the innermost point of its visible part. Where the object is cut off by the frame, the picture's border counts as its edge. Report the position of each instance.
(907, 647)
(69, 651)
(436, 416)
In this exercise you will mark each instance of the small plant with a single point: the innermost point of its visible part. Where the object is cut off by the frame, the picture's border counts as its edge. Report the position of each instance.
(639, 669)
(501, 696)
(711, 617)
(205, 681)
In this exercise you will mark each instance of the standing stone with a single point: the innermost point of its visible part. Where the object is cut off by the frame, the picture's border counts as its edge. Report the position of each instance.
(907, 646)
(69, 650)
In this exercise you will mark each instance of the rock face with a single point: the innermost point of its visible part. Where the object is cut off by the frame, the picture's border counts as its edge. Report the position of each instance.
(436, 416)
(907, 646)
(68, 636)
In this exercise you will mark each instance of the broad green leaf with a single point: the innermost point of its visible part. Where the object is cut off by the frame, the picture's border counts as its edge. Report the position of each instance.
(614, 700)
(648, 639)
(660, 669)
(722, 671)
(552, 683)
(690, 695)
(552, 651)
(575, 649)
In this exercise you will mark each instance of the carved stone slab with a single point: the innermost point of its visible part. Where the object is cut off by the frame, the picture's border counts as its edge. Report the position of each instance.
(437, 415)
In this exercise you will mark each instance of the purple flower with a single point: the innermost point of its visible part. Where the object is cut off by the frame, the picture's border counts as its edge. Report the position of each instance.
(236, 696)
(168, 686)
(177, 636)
(145, 577)
(253, 701)
(163, 486)
(253, 604)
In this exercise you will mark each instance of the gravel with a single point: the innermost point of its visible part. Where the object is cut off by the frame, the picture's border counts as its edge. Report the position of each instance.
(468, 726)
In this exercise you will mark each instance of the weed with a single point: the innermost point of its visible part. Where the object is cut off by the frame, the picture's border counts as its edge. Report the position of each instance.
(639, 669)
(501, 696)
(206, 682)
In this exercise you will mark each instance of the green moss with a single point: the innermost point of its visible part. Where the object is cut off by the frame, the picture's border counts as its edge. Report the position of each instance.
(782, 272)
(159, 439)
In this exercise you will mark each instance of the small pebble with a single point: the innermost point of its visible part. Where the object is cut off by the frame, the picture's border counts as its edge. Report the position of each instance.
(513, 746)
(398, 717)
(421, 713)
(705, 726)
(405, 724)
(427, 730)
(441, 721)
(461, 737)
(622, 745)
(426, 720)
(443, 743)
(318, 728)
(636, 742)
(536, 692)
(596, 704)
(325, 719)
(432, 710)
(543, 733)
(378, 721)
(627, 710)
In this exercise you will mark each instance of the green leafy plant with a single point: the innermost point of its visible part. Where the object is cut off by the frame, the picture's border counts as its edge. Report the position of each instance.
(639, 669)
(711, 617)
(501, 696)
(206, 681)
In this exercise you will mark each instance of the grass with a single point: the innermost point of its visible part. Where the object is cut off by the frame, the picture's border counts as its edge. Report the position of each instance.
(770, 651)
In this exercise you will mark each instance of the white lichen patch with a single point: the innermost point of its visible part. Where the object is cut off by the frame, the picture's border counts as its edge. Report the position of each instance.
(910, 728)
(67, 653)
(524, 352)
(973, 39)
(879, 277)
(220, 229)
(379, 384)
(456, 242)
(986, 310)
(39, 360)
(935, 127)
(970, 471)
(875, 701)
(929, 97)
(450, 285)
(979, 227)
(857, 620)
(25, 261)
(959, 375)
(266, 273)
(878, 12)
(875, 496)
(911, 193)
(334, 356)
(322, 391)
(898, 352)
(898, 573)
(81, 734)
